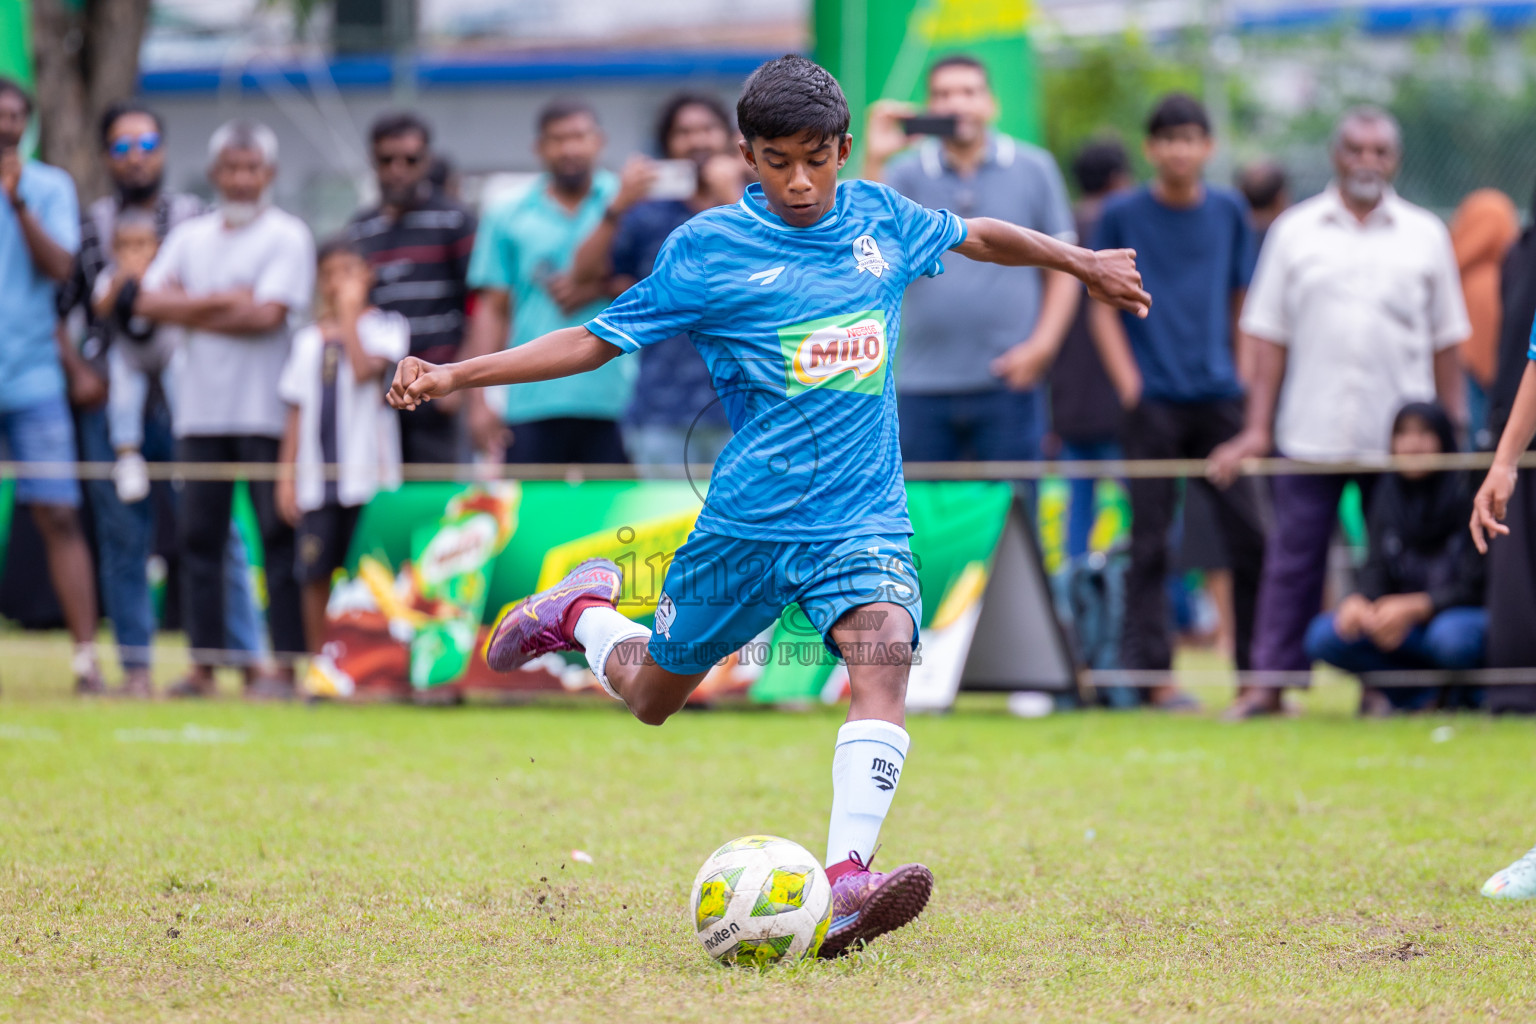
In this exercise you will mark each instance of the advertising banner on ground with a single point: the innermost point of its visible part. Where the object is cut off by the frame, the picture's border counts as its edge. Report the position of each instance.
(433, 565)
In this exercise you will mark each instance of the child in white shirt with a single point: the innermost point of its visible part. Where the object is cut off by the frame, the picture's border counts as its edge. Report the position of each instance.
(334, 384)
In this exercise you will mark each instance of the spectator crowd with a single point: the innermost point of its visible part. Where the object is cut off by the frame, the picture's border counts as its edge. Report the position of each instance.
(151, 327)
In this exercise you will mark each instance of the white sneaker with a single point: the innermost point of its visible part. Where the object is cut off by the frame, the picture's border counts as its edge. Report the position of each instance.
(1516, 882)
(131, 476)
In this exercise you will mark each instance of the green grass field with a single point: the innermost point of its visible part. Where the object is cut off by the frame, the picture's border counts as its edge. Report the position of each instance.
(225, 862)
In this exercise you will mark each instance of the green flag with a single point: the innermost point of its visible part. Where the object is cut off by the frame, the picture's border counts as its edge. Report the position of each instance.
(16, 40)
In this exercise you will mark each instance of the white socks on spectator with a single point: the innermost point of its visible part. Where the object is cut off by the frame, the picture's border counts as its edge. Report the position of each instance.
(865, 771)
(599, 630)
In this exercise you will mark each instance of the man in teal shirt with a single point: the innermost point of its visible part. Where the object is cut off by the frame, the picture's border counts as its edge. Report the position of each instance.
(521, 269)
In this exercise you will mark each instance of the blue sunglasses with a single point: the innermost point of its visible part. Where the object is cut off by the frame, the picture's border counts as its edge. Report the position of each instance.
(125, 144)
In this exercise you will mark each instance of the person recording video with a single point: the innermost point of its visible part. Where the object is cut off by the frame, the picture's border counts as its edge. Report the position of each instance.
(979, 338)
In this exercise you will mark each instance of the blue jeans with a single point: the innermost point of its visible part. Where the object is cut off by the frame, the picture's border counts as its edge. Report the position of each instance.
(1453, 639)
(124, 542)
(988, 426)
(1082, 511)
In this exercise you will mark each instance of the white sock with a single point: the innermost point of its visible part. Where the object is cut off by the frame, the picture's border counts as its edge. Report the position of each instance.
(865, 771)
(598, 630)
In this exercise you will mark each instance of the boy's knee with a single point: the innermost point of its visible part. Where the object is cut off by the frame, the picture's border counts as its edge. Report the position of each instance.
(56, 522)
(651, 709)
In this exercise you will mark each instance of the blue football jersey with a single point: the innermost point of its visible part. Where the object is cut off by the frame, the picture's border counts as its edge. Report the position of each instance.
(797, 327)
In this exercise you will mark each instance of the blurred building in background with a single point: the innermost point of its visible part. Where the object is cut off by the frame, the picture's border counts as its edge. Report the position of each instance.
(1274, 73)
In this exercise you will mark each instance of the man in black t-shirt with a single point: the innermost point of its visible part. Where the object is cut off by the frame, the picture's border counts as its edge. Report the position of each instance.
(418, 242)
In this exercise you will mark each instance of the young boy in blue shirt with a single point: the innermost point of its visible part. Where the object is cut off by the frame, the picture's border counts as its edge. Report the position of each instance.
(793, 298)
(1176, 372)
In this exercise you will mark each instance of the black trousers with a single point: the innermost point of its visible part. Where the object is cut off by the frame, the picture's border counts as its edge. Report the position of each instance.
(427, 434)
(1511, 598)
(1164, 430)
(567, 439)
(203, 533)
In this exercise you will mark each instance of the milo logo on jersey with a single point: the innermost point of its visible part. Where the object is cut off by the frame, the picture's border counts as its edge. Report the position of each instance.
(846, 352)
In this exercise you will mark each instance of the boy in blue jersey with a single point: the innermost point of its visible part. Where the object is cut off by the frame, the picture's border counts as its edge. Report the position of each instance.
(793, 298)
(1518, 881)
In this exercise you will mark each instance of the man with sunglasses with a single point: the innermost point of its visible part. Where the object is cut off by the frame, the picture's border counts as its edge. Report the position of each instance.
(39, 231)
(122, 511)
(418, 242)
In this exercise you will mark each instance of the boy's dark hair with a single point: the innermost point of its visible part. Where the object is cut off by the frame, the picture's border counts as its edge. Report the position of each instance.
(1176, 110)
(1261, 183)
(10, 85)
(123, 108)
(676, 105)
(560, 109)
(792, 96)
(959, 60)
(1097, 163)
(396, 123)
(338, 245)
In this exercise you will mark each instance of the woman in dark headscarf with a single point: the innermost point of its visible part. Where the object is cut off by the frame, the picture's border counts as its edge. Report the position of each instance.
(1419, 603)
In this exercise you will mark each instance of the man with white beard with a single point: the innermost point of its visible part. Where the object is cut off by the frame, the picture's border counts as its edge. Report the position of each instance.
(1355, 310)
(235, 278)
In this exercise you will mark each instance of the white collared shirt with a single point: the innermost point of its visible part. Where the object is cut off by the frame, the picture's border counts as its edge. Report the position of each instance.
(1362, 308)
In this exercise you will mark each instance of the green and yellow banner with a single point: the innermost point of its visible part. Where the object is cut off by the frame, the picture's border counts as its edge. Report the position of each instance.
(432, 566)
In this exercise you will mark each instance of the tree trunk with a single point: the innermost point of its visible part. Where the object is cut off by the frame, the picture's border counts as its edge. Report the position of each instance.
(86, 58)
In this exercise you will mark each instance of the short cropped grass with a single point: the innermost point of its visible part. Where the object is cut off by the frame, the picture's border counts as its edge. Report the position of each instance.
(225, 862)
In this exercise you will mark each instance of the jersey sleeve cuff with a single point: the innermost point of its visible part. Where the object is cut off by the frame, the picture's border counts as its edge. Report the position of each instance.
(962, 231)
(612, 335)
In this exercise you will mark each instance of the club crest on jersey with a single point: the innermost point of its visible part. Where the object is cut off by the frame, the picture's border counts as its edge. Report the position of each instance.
(866, 256)
(845, 352)
(666, 614)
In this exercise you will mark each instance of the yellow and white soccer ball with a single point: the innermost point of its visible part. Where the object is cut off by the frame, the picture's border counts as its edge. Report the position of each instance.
(761, 899)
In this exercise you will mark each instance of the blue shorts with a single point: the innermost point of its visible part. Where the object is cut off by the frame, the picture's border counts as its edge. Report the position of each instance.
(720, 592)
(42, 432)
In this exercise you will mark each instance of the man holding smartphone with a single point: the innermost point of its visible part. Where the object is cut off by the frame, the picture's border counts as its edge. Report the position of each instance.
(979, 338)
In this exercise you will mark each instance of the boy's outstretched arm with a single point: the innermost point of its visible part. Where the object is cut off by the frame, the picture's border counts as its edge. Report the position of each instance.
(1110, 274)
(1493, 497)
(562, 353)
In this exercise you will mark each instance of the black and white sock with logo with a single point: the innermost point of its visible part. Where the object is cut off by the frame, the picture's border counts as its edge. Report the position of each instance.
(865, 771)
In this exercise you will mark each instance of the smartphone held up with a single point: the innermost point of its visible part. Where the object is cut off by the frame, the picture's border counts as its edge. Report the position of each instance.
(938, 125)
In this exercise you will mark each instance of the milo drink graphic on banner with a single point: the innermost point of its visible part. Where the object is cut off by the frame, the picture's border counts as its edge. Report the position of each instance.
(452, 560)
(419, 623)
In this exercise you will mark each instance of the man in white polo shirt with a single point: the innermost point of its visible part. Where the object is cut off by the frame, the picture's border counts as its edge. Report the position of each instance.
(235, 278)
(1355, 310)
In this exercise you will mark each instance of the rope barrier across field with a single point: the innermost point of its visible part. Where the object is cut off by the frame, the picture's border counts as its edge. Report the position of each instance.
(572, 473)
(471, 472)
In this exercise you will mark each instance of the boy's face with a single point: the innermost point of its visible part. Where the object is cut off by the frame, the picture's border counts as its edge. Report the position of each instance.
(134, 247)
(799, 174)
(341, 271)
(1179, 155)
